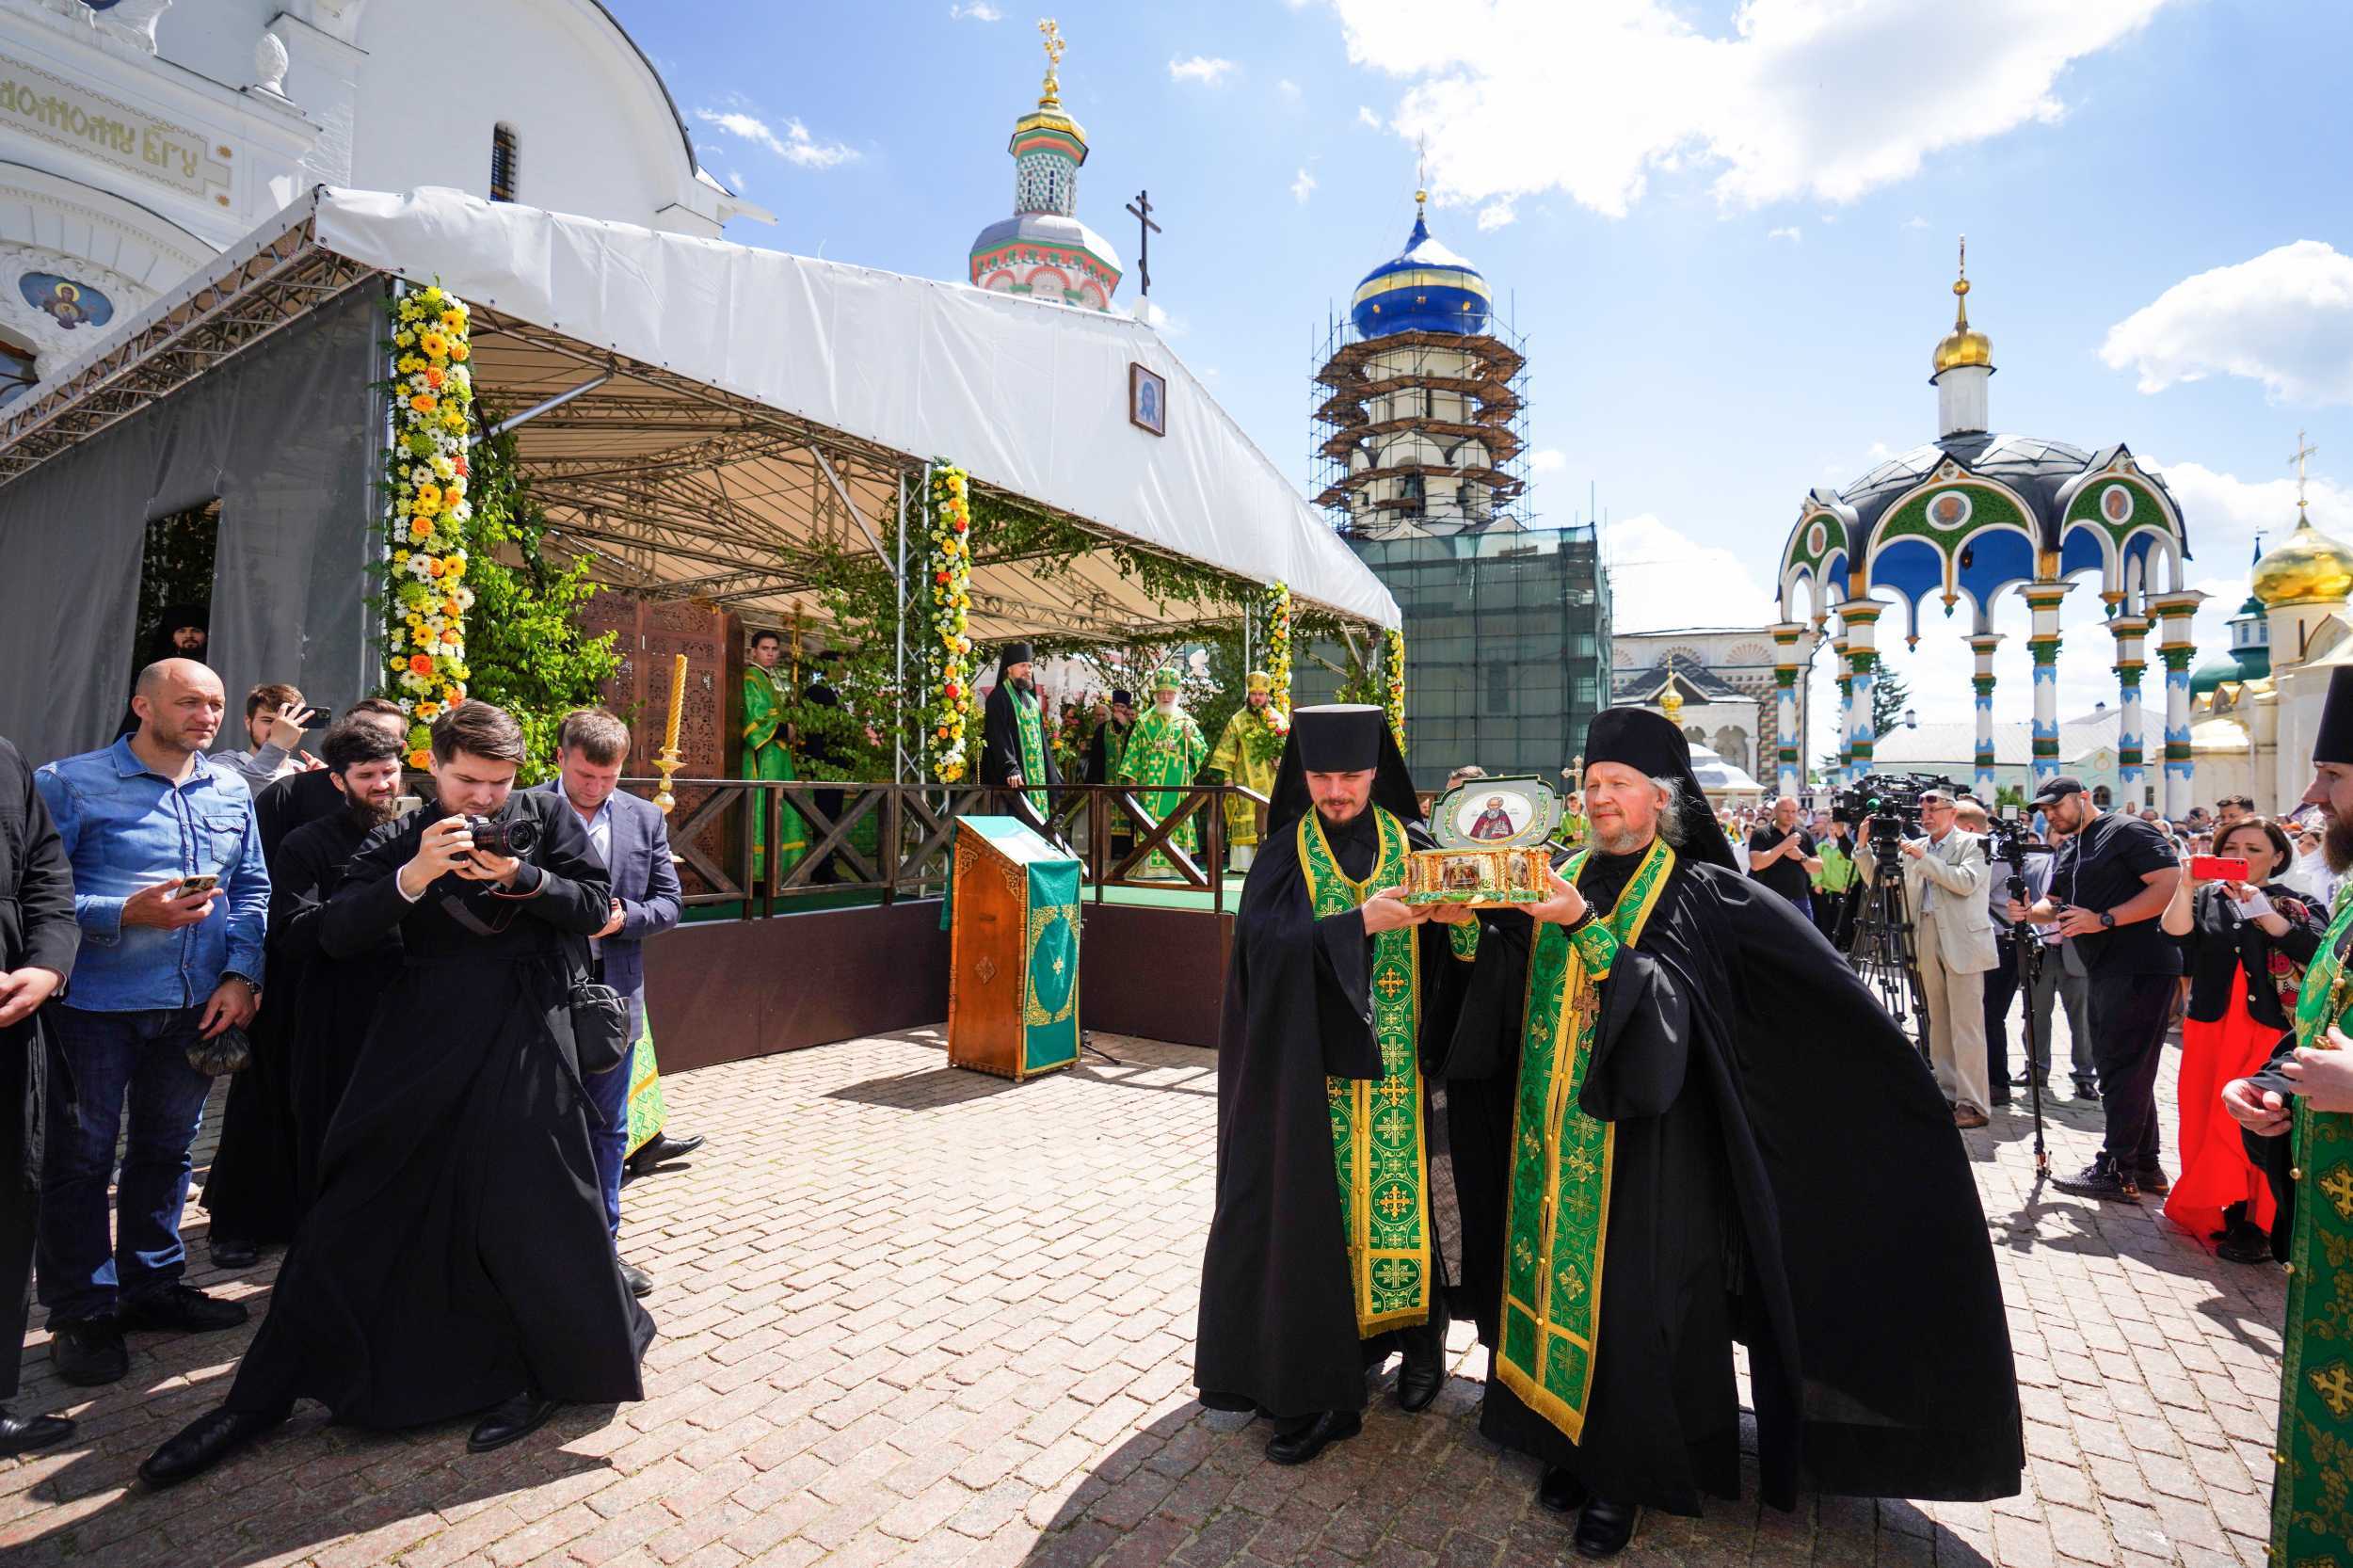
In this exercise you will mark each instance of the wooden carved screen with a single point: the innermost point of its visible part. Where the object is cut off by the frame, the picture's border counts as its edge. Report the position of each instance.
(649, 634)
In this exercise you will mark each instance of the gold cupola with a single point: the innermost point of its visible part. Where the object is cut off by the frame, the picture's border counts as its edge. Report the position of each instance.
(2309, 566)
(1964, 345)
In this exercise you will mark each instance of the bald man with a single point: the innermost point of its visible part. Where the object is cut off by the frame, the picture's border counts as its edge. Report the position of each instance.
(171, 895)
(1784, 857)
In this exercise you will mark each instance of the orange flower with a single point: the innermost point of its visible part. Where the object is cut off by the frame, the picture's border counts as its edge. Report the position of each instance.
(421, 664)
(421, 759)
(424, 403)
(421, 528)
(433, 377)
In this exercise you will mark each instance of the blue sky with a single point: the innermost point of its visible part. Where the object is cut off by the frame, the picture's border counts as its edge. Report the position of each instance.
(1726, 231)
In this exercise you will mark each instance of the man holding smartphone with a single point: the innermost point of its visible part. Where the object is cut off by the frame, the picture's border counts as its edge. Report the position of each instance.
(2110, 887)
(170, 894)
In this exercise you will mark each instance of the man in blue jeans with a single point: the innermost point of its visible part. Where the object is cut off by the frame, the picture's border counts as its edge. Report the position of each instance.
(171, 896)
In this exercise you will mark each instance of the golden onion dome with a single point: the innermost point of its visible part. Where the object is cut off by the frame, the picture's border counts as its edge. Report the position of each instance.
(1964, 345)
(2307, 568)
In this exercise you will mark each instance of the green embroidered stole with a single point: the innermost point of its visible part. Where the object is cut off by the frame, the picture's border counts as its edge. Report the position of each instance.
(1377, 1149)
(1028, 724)
(2312, 1499)
(1561, 1161)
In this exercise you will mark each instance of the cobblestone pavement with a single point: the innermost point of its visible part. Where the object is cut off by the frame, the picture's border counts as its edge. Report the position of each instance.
(911, 1314)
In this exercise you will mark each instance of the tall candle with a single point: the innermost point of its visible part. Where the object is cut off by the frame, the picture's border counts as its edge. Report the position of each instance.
(677, 702)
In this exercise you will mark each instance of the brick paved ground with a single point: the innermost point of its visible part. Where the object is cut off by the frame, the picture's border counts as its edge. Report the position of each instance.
(915, 1315)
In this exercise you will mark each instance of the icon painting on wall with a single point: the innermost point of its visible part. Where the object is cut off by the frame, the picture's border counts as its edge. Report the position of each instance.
(65, 302)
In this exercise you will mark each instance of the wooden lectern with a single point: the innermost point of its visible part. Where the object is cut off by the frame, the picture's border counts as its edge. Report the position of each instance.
(1013, 984)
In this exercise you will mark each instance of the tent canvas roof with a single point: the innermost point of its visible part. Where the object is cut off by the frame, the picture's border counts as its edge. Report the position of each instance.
(755, 402)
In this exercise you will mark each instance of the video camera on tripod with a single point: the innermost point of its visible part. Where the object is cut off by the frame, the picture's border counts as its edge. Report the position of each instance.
(1884, 808)
(1887, 806)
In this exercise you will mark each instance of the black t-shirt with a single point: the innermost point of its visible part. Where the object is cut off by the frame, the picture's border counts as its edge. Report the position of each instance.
(2100, 869)
(1786, 876)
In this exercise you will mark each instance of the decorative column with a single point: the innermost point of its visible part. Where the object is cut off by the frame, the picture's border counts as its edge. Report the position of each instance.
(1788, 761)
(2044, 599)
(1844, 774)
(2131, 768)
(1982, 646)
(1860, 616)
(2173, 612)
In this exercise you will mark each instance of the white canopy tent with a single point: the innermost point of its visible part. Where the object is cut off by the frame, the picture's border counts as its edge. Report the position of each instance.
(701, 414)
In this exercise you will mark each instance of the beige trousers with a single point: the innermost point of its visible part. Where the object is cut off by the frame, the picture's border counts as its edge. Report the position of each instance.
(1956, 1022)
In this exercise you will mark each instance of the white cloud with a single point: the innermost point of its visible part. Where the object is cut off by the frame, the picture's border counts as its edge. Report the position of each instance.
(979, 10)
(1204, 69)
(795, 146)
(1367, 118)
(1829, 217)
(1288, 88)
(1497, 215)
(1522, 96)
(1662, 578)
(2284, 319)
(1150, 314)
(1550, 459)
(1915, 221)
(1791, 233)
(1303, 188)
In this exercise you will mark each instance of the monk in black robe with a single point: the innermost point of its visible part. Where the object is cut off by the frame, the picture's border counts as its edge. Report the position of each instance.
(1680, 1120)
(39, 939)
(311, 793)
(1324, 1253)
(456, 1258)
(1011, 709)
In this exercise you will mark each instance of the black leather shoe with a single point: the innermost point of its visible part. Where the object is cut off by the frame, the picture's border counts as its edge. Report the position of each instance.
(183, 1307)
(2154, 1179)
(230, 1253)
(1560, 1491)
(22, 1435)
(1604, 1527)
(2087, 1090)
(204, 1442)
(639, 1282)
(518, 1417)
(89, 1351)
(661, 1147)
(1424, 1370)
(2245, 1242)
(1300, 1445)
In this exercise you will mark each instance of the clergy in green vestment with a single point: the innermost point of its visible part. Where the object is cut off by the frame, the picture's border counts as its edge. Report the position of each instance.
(1678, 1120)
(1014, 753)
(1163, 755)
(2297, 1114)
(1246, 752)
(768, 754)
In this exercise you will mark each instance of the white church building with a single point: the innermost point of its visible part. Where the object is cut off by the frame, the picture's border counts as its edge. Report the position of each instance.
(141, 138)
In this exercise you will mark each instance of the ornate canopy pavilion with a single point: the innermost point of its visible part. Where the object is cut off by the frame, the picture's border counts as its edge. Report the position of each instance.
(1964, 518)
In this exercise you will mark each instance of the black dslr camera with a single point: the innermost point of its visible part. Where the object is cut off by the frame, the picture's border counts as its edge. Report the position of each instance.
(1887, 806)
(511, 837)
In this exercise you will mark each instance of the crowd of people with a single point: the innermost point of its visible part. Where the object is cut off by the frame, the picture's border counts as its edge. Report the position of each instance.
(431, 1009)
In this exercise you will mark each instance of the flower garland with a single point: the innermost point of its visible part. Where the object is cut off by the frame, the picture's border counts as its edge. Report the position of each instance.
(948, 645)
(1394, 667)
(1278, 645)
(425, 597)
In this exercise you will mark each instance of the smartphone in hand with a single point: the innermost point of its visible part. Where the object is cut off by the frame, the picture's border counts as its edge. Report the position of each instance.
(2217, 867)
(194, 887)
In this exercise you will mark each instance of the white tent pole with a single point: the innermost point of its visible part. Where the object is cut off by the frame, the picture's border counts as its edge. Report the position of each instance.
(851, 507)
(899, 678)
(503, 426)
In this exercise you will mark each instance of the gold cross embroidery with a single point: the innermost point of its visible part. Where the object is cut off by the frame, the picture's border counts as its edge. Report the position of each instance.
(1571, 1281)
(1390, 983)
(1581, 1165)
(1394, 1202)
(1523, 1252)
(1394, 1091)
(2338, 1184)
(2335, 1388)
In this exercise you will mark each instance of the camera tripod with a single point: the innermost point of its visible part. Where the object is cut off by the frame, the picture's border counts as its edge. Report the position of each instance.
(2030, 956)
(1884, 950)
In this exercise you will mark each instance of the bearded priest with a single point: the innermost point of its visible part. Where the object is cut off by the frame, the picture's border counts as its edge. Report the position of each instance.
(1324, 1253)
(1246, 753)
(1014, 753)
(1679, 1120)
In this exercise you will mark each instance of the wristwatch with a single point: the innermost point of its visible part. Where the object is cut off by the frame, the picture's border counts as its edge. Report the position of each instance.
(2107, 919)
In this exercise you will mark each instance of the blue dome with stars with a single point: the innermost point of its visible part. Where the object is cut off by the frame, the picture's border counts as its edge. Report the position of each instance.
(1427, 288)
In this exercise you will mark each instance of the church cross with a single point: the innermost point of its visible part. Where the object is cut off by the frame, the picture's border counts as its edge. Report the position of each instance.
(2334, 1389)
(1394, 1202)
(2338, 1184)
(1586, 1006)
(2303, 449)
(1390, 983)
(1141, 210)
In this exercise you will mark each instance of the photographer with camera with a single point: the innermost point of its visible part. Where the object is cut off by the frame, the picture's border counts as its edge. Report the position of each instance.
(2112, 881)
(455, 1258)
(1782, 855)
(1944, 878)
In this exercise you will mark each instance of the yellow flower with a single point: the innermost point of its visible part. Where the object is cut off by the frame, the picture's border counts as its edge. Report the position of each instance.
(452, 322)
(428, 710)
(458, 353)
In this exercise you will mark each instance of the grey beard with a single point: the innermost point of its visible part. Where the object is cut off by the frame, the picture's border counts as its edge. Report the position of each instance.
(1623, 840)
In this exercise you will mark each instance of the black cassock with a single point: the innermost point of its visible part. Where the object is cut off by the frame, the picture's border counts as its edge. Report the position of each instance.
(333, 999)
(1785, 1174)
(1277, 1326)
(37, 929)
(1001, 741)
(457, 1254)
(253, 1189)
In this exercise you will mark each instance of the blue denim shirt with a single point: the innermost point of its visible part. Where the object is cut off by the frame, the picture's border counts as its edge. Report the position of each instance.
(126, 828)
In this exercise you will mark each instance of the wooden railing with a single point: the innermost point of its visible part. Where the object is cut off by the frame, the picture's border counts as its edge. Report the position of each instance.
(893, 839)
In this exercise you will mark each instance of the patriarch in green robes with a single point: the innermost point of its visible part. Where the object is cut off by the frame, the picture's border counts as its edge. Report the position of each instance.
(2297, 1119)
(1324, 1252)
(1163, 755)
(1679, 1120)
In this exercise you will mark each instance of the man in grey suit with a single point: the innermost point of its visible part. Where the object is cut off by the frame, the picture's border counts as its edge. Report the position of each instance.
(1945, 881)
(634, 839)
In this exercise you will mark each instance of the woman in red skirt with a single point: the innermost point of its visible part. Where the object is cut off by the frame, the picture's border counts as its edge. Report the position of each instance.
(2247, 944)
